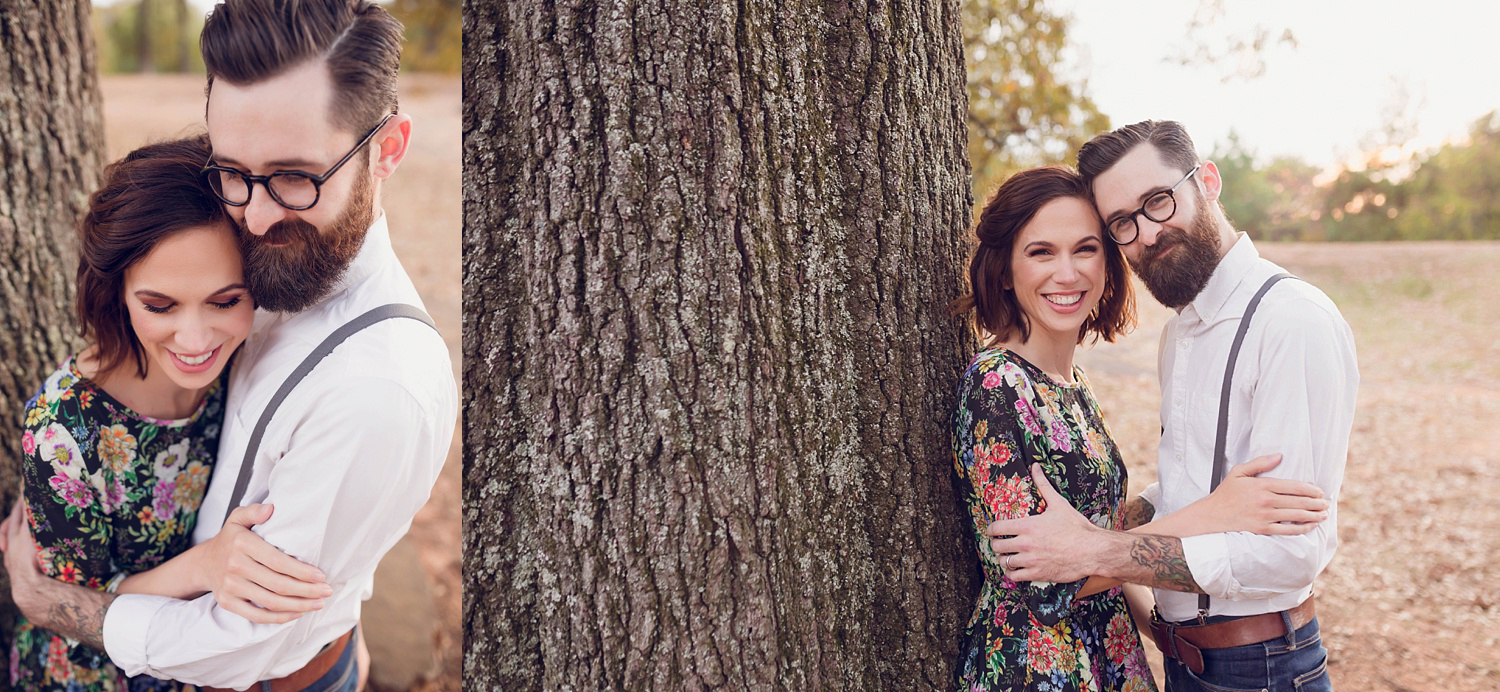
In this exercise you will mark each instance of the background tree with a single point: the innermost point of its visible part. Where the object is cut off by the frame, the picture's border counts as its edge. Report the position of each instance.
(149, 36)
(51, 139)
(1023, 109)
(1451, 194)
(434, 38)
(707, 249)
(1276, 201)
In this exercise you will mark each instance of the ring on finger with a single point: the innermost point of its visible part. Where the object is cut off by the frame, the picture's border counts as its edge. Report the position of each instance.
(1006, 564)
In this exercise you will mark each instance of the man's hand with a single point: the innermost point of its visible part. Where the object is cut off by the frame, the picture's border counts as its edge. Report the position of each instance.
(1057, 545)
(66, 609)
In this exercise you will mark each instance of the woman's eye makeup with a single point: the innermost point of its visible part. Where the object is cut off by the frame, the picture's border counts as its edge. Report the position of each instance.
(226, 304)
(160, 308)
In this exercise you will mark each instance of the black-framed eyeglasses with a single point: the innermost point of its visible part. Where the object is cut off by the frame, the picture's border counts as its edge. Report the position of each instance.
(1159, 207)
(295, 190)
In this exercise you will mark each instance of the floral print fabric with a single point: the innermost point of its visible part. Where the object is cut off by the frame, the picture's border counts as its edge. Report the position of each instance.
(109, 491)
(1037, 635)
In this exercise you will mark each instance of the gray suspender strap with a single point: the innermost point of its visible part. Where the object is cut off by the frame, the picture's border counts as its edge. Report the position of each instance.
(338, 336)
(1221, 437)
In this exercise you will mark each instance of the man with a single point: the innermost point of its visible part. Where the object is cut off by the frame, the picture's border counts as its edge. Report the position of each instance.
(303, 121)
(1293, 393)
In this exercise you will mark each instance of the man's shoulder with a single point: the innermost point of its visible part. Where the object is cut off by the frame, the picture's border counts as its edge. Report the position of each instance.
(390, 356)
(1297, 301)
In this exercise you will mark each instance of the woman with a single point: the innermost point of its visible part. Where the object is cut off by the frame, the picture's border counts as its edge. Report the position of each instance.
(1043, 279)
(120, 441)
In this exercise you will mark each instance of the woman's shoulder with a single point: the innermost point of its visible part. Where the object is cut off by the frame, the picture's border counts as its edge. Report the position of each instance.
(999, 367)
(63, 384)
(999, 359)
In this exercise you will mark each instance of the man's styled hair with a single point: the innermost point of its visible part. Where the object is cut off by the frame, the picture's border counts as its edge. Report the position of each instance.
(1009, 209)
(1168, 136)
(246, 41)
(154, 192)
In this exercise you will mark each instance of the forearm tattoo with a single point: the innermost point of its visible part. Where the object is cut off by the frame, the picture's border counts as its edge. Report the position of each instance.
(1162, 555)
(1138, 512)
(81, 619)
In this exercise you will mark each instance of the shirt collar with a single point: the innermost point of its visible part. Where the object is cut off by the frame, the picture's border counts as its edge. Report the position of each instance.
(1231, 271)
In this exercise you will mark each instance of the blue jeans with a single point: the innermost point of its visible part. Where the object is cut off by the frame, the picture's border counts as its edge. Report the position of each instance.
(1285, 664)
(342, 677)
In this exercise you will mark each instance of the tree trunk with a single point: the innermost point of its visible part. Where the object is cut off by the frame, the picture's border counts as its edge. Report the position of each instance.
(707, 250)
(51, 139)
(145, 56)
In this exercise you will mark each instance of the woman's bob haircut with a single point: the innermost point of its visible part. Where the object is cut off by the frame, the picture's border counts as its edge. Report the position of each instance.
(996, 313)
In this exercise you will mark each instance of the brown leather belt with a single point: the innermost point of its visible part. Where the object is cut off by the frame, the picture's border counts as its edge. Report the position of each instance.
(305, 676)
(1185, 642)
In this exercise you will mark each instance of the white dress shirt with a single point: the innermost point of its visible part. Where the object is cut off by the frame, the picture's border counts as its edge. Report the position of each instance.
(348, 459)
(1293, 393)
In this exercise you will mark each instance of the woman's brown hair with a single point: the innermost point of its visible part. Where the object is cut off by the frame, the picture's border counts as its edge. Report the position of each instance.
(153, 192)
(1009, 209)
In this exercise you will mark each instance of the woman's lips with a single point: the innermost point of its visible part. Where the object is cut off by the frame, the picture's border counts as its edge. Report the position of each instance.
(200, 366)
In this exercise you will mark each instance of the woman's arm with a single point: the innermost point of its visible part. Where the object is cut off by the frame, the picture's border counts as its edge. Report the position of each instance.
(247, 575)
(1243, 502)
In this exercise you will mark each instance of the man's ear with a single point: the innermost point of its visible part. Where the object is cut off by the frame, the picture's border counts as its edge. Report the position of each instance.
(390, 145)
(1208, 173)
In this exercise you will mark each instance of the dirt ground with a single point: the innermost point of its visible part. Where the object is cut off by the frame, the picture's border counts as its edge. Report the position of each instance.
(423, 203)
(1406, 603)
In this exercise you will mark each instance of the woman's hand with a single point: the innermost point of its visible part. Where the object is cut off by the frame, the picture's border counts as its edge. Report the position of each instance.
(1267, 506)
(255, 579)
(247, 575)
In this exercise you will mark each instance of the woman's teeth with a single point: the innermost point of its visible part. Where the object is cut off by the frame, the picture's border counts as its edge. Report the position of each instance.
(194, 360)
(1065, 300)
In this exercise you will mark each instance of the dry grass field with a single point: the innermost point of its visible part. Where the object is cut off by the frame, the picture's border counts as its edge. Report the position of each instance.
(422, 202)
(1407, 603)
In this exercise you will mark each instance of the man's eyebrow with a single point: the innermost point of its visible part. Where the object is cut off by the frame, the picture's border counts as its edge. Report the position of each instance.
(278, 163)
(1115, 215)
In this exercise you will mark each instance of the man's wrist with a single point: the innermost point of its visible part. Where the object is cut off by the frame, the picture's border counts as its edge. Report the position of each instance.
(1108, 551)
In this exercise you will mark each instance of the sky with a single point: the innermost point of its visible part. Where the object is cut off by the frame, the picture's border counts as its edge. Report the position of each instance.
(1319, 100)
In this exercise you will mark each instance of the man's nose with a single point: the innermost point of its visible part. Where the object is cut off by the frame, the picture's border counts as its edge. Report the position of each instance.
(262, 212)
(1149, 230)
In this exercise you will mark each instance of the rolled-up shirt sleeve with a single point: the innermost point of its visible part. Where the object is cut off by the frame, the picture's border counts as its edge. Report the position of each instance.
(1301, 406)
(360, 463)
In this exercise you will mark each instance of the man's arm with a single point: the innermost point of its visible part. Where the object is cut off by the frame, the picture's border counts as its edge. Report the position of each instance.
(1307, 365)
(1061, 545)
(360, 463)
(1303, 378)
(1138, 512)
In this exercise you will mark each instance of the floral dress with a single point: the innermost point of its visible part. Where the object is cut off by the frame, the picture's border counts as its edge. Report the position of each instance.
(110, 492)
(1039, 635)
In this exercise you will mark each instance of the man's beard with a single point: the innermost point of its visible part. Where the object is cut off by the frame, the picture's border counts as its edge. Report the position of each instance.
(295, 276)
(1177, 280)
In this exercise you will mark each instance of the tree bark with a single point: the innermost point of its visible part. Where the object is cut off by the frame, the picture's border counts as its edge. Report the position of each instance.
(707, 251)
(51, 140)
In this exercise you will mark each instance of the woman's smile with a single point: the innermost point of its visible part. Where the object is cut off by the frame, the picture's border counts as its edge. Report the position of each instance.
(195, 363)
